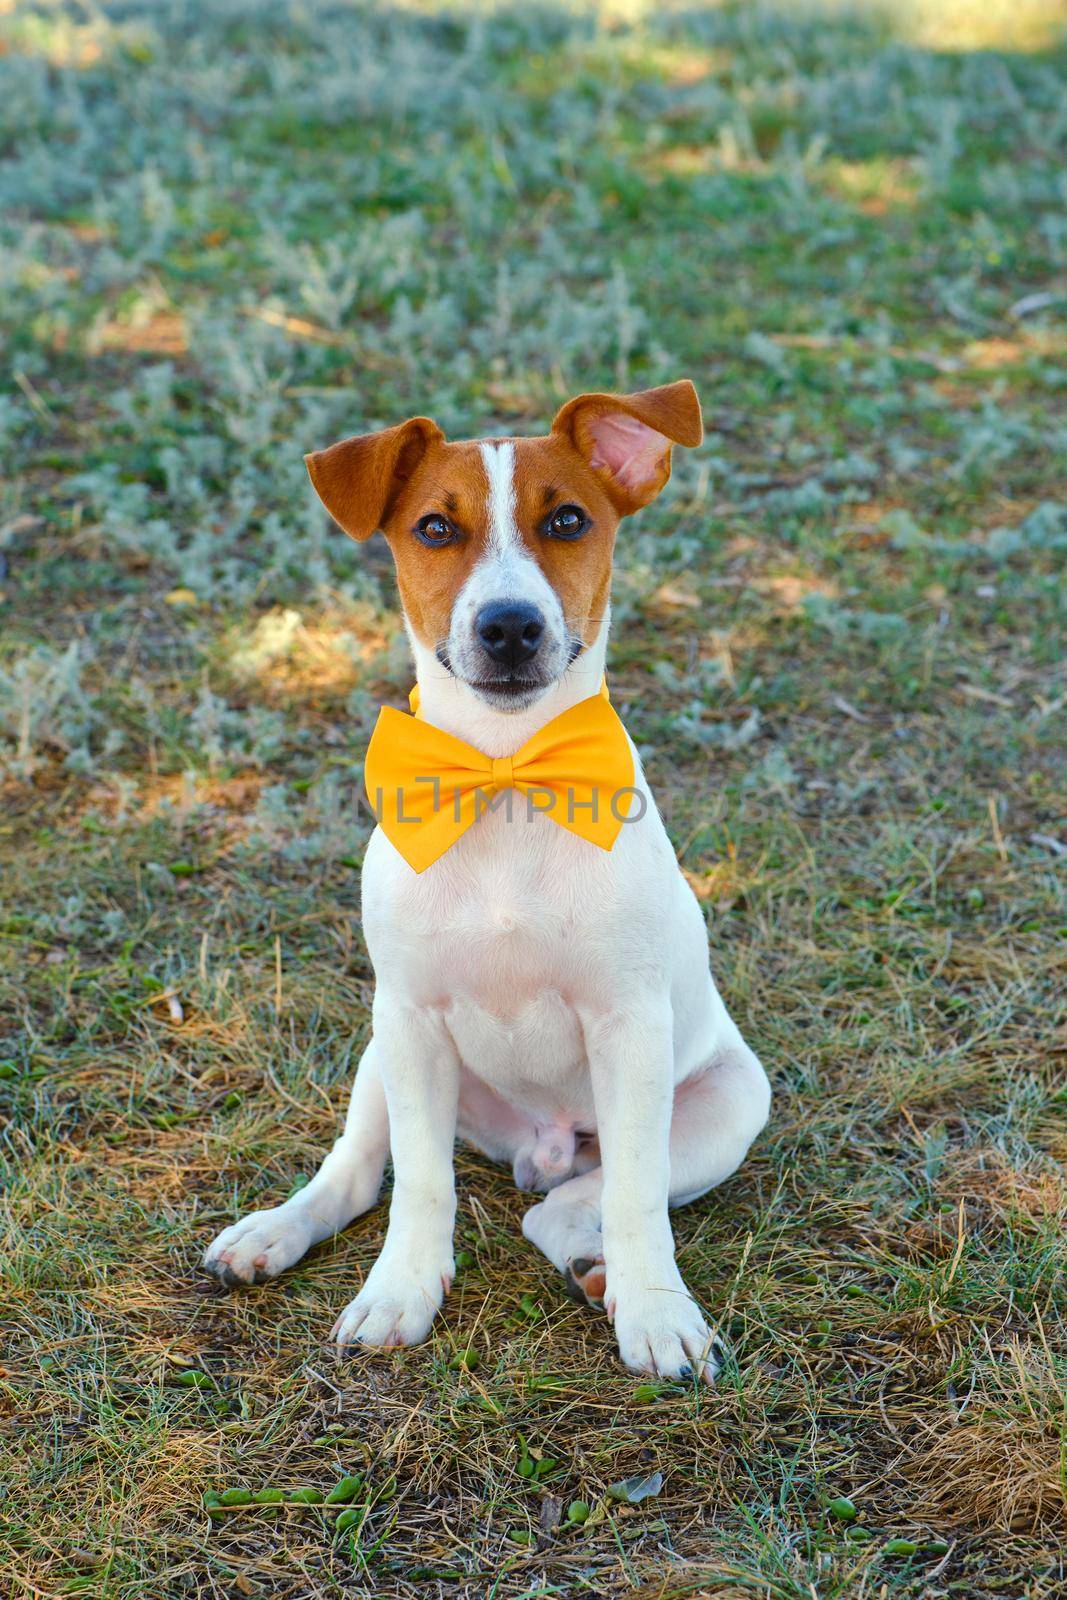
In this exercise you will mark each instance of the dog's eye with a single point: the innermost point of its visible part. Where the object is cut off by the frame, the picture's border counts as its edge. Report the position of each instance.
(569, 522)
(435, 529)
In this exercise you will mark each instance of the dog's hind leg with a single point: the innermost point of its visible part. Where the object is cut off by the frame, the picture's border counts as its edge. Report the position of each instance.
(565, 1227)
(716, 1115)
(265, 1243)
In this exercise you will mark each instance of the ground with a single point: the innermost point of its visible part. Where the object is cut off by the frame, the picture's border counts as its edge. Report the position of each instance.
(236, 231)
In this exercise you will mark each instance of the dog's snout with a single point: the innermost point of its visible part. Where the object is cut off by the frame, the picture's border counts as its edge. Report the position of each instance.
(509, 631)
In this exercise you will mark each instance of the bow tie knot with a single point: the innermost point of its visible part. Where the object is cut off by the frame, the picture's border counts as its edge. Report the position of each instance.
(427, 787)
(503, 775)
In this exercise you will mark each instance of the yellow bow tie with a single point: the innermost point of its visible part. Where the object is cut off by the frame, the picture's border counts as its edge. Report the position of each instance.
(427, 788)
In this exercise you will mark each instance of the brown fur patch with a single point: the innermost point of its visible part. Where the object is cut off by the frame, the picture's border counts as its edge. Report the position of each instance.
(450, 479)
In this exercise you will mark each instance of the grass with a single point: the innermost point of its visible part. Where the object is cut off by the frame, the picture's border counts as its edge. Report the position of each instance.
(235, 232)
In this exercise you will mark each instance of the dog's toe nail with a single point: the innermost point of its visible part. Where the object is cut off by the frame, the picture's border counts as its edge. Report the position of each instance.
(226, 1276)
(686, 1371)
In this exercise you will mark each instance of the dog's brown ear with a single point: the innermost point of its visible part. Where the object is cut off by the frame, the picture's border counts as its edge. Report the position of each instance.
(359, 479)
(627, 438)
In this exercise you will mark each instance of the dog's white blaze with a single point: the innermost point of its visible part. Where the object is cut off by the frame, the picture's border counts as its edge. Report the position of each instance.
(505, 570)
(499, 461)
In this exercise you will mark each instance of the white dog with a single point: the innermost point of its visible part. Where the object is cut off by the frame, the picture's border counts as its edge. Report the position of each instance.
(543, 996)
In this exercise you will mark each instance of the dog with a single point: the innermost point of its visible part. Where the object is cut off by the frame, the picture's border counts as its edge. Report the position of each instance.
(543, 996)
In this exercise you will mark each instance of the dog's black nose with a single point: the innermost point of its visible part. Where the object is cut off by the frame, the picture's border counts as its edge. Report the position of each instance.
(510, 631)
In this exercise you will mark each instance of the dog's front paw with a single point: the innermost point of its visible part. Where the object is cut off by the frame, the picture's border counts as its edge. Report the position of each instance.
(261, 1245)
(662, 1331)
(396, 1306)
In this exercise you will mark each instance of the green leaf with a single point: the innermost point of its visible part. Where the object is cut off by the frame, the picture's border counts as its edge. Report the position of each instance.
(192, 1378)
(346, 1490)
(899, 1547)
(633, 1490)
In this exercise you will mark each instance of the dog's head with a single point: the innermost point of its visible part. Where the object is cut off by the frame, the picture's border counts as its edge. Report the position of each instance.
(503, 547)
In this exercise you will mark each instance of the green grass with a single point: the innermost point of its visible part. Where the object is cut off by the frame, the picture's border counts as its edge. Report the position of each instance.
(234, 232)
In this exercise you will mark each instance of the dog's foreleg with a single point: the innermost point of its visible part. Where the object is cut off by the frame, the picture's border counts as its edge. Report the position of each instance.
(267, 1242)
(658, 1325)
(405, 1287)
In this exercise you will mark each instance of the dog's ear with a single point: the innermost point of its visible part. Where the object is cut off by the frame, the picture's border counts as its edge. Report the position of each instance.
(627, 438)
(358, 480)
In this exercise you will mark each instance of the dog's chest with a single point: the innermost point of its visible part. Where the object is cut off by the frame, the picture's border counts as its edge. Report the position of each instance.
(505, 940)
(538, 1048)
(514, 940)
